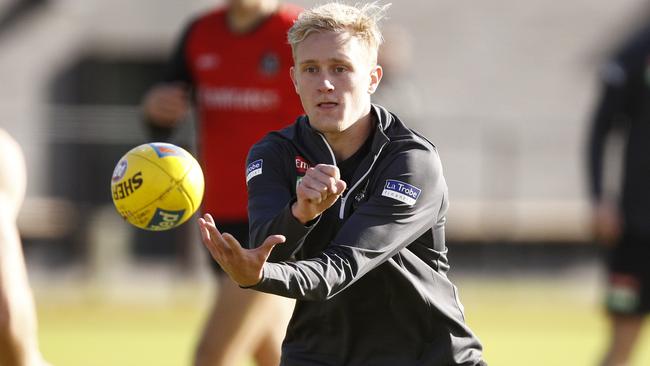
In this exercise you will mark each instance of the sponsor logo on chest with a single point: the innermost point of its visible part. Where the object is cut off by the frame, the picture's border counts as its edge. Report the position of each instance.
(301, 168)
(208, 61)
(238, 98)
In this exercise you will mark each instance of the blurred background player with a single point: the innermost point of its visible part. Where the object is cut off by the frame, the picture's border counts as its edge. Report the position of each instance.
(233, 65)
(622, 221)
(18, 326)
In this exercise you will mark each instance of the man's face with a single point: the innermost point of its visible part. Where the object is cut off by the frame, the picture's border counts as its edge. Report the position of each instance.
(334, 76)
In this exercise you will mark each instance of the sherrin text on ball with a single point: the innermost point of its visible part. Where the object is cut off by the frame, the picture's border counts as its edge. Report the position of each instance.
(157, 186)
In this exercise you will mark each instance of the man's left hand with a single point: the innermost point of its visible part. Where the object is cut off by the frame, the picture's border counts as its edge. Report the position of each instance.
(244, 266)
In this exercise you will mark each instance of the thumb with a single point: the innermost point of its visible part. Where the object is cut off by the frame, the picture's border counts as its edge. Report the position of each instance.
(270, 242)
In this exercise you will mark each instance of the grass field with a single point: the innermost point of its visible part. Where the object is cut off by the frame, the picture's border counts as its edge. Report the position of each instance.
(539, 321)
(521, 321)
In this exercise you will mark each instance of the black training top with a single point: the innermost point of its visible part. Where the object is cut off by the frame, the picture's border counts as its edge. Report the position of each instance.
(370, 277)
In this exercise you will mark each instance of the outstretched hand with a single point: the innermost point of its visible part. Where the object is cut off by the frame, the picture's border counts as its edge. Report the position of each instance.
(244, 266)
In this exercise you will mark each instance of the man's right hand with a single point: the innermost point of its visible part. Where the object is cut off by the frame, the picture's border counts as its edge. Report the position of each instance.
(318, 190)
(166, 104)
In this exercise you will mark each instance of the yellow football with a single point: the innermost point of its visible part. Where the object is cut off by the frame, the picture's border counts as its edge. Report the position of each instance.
(157, 186)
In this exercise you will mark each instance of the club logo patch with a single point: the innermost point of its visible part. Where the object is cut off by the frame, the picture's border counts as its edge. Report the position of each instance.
(401, 191)
(164, 219)
(270, 64)
(254, 169)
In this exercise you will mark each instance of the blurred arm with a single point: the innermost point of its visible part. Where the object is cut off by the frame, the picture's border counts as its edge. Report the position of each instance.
(168, 102)
(615, 106)
(18, 329)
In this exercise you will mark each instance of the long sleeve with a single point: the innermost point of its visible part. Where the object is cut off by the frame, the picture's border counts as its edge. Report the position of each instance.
(269, 200)
(408, 199)
(622, 82)
(608, 110)
(176, 71)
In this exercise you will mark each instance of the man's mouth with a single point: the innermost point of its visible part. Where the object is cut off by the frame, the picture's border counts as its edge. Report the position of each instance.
(327, 104)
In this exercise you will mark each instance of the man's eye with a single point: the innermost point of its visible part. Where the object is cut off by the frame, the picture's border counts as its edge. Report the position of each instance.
(311, 69)
(340, 69)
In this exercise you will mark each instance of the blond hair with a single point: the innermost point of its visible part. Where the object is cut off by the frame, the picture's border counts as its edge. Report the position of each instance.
(360, 20)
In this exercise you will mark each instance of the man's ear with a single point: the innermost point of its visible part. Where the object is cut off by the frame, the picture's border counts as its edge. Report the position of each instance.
(292, 70)
(375, 77)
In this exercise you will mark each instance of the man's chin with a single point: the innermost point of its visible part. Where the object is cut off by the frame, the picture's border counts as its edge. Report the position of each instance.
(325, 123)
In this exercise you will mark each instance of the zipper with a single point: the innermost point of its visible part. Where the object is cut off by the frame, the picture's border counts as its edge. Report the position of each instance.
(328, 147)
(345, 197)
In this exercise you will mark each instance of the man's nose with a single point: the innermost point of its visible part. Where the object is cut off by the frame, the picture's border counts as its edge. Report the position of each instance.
(326, 86)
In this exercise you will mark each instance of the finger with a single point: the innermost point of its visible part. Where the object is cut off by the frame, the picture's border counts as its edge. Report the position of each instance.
(231, 242)
(306, 192)
(274, 240)
(321, 173)
(329, 170)
(315, 188)
(316, 180)
(209, 218)
(270, 243)
(213, 233)
(328, 175)
(205, 234)
(219, 240)
(340, 187)
(208, 241)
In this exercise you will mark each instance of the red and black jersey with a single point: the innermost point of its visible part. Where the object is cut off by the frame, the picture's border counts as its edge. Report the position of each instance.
(242, 90)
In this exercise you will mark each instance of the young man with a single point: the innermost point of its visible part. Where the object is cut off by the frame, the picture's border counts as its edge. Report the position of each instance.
(359, 200)
(232, 64)
(18, 326)
(622, 223)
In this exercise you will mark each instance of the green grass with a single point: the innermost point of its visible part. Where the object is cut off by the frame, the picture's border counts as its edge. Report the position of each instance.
(539, 322)
(525, 321)
(118, 334)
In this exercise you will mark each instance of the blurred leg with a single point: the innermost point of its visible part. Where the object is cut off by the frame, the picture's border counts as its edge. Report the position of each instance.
(625, 330)
(243, 323)
(18, 326)
(277, 313)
